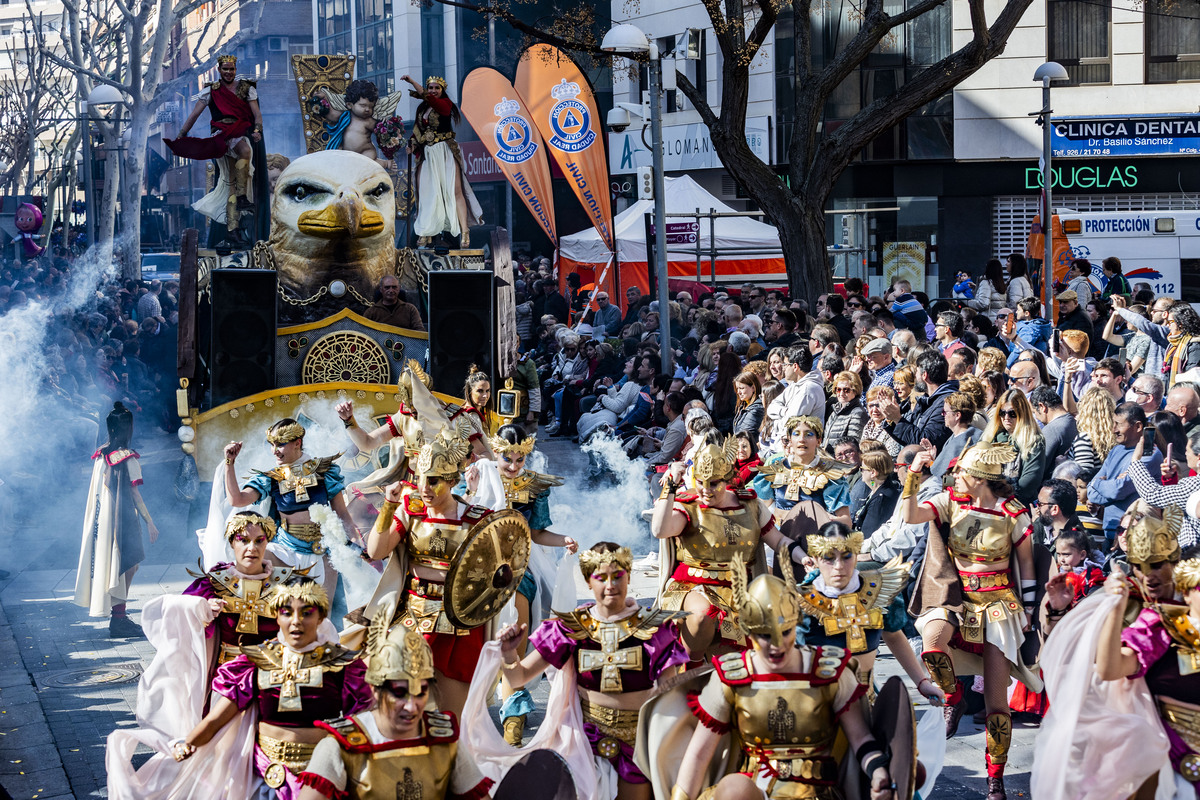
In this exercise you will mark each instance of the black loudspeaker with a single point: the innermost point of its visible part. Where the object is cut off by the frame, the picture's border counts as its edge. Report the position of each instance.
(243, 333)
(461, 326)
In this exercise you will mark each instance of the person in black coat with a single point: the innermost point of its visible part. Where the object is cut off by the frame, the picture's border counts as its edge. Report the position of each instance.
(1071, 317)
(878, 472)
(927, 419)
(556, 304)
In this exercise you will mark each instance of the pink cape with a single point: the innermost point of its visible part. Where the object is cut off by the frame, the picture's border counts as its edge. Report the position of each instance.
(1101, 739)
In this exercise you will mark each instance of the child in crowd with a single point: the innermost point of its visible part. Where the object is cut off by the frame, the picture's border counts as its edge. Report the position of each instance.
(1073, 556)
(963, 290)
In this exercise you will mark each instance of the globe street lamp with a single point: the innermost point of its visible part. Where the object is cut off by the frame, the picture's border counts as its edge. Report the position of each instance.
(1050, 71)
(101, 96)
(629, 41)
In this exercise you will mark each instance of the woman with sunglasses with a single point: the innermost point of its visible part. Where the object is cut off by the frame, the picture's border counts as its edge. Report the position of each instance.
(420, 530)
(1014, 423)
(847, 416)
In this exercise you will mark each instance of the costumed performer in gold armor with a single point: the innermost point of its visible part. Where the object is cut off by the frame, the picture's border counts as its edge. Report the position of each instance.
(700, 534)
(397, 749)
(420, 530)
(506, 483)
(620, 651)
(785, 704)
(296, 484)
(973, 601)
(809, 486)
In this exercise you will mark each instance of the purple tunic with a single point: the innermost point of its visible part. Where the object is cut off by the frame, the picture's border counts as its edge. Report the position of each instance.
(1153, 646)
(226, 624)
(341, 693)
(553, 641)
(662, 651)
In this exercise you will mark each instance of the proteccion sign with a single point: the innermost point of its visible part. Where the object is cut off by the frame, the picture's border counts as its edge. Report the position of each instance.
(1089, 137)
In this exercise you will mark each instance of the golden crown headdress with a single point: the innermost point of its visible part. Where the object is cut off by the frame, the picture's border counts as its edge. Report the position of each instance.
(590, 560)
(288, 433)
(439, 80)
(715, 462)
(521, 448)
(226, 59)
(444, 456)
(1150, 540)
(1187, 575)
(820, 546)
(307, 591)
(770, 606)
(239, 522)
(401, 654)
(987, 460)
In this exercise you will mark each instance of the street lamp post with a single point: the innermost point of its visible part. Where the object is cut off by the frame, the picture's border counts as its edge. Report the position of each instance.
(1050, 71)
(85, 116)
(629, 40)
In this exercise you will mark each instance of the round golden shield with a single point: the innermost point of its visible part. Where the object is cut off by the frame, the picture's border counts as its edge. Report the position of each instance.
(487, 569)
(275, 776)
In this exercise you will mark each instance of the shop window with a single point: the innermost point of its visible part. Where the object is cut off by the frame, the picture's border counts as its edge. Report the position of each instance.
(1080, 39)
(1172, 41)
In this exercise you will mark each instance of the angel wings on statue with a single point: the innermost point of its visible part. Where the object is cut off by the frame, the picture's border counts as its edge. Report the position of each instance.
(353, 119)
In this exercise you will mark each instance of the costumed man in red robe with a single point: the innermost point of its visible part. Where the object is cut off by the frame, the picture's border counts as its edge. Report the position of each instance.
(236, 144)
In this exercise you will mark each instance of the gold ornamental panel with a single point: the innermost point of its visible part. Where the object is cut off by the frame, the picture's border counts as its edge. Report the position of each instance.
(345, 356)
(314, 73)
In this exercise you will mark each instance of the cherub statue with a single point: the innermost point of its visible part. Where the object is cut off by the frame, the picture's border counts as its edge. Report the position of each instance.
(351, 120)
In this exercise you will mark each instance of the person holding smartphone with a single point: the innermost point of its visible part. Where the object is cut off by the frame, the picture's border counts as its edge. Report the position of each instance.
(1112, 488)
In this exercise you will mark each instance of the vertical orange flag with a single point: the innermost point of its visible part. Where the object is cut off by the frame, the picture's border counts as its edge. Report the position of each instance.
(564, 110)
(502, 122)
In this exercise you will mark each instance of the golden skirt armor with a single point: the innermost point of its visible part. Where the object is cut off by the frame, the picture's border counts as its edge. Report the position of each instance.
(987, 597)
(418, 770)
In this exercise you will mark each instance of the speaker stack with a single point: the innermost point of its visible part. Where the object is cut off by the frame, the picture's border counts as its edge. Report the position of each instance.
(461, 326)
(242, 348)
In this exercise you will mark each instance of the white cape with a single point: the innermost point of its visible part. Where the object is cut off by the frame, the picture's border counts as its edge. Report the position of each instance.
(560, 731)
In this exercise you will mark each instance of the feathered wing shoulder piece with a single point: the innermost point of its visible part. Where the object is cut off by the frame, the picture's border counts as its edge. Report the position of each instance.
(890, 580)
(336, 101)
(415, 368)
(386, 107)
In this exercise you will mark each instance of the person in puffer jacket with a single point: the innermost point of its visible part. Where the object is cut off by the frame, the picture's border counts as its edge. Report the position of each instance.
(1031, 329)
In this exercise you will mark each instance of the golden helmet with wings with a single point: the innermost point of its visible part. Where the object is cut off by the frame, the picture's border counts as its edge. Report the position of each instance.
(444, 456)
(769, 606)
(715, 462)
(397, 655)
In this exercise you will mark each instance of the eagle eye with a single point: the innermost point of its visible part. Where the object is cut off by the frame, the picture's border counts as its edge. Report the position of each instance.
(378, 191)
(302, 191)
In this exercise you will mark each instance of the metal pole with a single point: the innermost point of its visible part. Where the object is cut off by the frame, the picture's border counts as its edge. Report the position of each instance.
(87, 172)
(1048, 213)
(660, 212)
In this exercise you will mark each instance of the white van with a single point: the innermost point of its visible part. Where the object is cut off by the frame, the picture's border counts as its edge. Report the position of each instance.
(1161, 248)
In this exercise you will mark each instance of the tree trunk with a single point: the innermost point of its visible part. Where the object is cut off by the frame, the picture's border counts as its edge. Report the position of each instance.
(107, 216)
(802, 234)
(131, 193)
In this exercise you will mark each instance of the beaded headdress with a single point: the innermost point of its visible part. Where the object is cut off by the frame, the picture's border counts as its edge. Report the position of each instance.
(521, 448)
(307, 591)
(1150, 540)
(590, 560)
(986, 460)
(399, 655)
(770, 606)
(444, 456)
(819, 546)
(713, 462)
(287, 433)
(226, 59)
(240, 522)
(440, 81)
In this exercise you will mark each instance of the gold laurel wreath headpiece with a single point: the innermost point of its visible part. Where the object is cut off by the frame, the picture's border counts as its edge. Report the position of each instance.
(239, 523)
(590, 560)
(308, 592)
(1187, 575)
(226, 59)
(521, 448)
(439, 80)
(288, 433)
(820, 546)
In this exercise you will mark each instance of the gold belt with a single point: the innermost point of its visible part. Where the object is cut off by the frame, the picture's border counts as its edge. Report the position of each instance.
(617, 724)
(793, 764)
(712, 570)
(304, 531)
(293, 755)
(426, 614)
(975, 582)
(435, 563)
(424, 588)
(1183, 718)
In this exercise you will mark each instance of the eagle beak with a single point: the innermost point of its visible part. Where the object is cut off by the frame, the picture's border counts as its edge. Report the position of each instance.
(346, 216)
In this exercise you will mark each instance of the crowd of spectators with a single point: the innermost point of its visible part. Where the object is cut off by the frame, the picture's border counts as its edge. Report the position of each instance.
(1100, 397)
(119, 344)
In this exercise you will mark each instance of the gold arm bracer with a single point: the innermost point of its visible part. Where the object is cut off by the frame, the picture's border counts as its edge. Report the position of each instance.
(912, 485)
(387, 512)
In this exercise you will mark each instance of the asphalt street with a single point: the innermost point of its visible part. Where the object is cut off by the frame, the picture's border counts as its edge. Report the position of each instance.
(65, 685)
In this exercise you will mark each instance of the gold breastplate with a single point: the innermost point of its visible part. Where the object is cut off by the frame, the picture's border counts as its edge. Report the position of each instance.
(434, 544)
(247, 597)
(283, 668)
(1183, 633)
(980, 536)
(790, 714)
(421, 772)
(715, 536)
